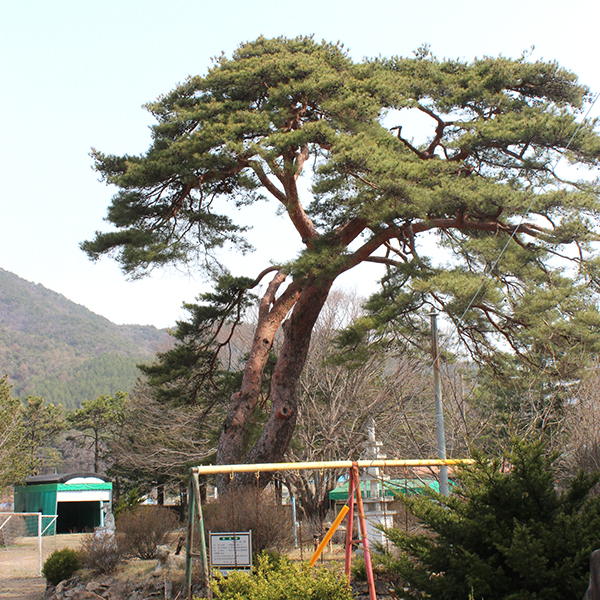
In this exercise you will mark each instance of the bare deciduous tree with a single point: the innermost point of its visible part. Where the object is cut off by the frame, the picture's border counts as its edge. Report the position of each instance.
(579, 436)
(156, 444)
(339, 400)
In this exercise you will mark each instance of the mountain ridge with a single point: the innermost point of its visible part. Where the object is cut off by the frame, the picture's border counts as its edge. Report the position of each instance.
(55, 348)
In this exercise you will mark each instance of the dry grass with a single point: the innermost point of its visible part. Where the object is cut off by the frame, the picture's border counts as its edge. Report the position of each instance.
(19, 565)
(21, 559)
(19, 574)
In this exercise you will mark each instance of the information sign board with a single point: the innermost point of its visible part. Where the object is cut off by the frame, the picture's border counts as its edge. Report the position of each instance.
(231, 550)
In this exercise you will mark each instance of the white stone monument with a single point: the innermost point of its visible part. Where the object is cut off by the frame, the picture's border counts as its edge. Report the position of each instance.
(374, 499)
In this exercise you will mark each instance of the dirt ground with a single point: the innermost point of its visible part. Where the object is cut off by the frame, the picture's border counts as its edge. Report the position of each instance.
(19, 565)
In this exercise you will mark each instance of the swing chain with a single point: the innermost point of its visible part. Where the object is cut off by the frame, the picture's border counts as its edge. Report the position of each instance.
(234, 525)
(256, 502)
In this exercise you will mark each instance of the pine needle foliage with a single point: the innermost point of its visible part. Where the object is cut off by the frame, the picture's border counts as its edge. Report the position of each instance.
(14, 445)
(505, 533)
(299, 124)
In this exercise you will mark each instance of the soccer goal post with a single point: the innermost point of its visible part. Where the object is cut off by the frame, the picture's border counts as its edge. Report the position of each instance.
(20, 524)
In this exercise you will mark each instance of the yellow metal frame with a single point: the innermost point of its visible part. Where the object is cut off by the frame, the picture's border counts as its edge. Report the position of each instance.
(331, 464)
(195, 505)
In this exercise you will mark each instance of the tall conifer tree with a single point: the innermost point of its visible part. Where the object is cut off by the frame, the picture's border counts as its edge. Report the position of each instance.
(279, 109)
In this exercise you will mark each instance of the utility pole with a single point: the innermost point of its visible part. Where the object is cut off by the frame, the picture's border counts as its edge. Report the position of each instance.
(439, 414)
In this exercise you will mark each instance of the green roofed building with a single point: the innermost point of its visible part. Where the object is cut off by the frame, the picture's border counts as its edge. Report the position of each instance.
(80, 500)
(393, 488)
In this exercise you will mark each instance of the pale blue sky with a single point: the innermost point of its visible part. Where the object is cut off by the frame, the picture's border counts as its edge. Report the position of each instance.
(74, 74)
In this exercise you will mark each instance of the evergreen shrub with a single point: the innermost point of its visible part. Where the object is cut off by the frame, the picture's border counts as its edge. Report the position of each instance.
(283, 580)
(358, 569)
(61, 565)
(506, 532)
(129, 501)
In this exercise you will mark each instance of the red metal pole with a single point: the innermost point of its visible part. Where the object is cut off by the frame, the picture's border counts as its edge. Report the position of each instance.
(349, 525)
(365, 539)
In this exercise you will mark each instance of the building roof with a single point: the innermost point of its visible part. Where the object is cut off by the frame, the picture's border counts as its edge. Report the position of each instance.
(394, 488)
(63, 478)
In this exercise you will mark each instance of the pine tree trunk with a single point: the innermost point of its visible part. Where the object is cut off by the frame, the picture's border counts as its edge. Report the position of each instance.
(242, 404)
(297, 331)
(277, 432)
(96, 451)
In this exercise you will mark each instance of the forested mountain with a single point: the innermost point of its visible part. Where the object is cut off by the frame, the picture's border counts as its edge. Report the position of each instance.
(52, 347)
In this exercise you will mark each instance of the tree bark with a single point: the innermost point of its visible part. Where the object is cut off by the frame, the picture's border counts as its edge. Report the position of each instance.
(277, 432)
(271, 314)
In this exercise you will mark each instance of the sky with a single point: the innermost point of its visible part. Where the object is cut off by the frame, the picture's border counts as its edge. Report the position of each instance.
(75, 74)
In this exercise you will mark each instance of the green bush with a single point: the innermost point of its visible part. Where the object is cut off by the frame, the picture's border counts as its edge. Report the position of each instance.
(129, 501)
(282, 581)
(504, 533)
(61, 565)
(358, 569)
(272, 557)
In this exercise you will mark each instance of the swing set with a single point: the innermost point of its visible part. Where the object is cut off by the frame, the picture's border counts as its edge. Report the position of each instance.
(196, 520)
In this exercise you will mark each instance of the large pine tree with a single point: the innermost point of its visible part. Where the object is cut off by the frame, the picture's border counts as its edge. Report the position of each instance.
(280, 109)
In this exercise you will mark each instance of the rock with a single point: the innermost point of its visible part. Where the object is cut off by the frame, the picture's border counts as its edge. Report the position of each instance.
(50, 591)
(97, 588)
(593, 591)
(118, 591)
(108, 588)
(59, 590)
(85, 595)
(199, 591)
(167, 561)
(109, 522)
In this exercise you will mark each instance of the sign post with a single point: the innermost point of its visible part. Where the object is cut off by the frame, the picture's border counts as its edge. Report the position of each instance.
(231, 551)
